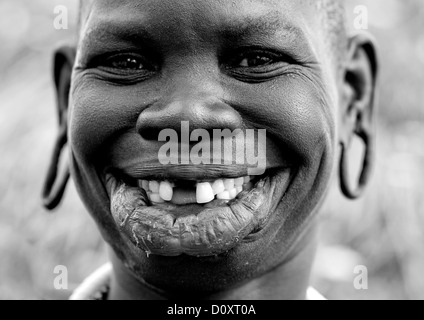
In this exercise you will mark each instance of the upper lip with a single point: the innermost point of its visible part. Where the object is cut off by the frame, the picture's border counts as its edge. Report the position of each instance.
(182, 172)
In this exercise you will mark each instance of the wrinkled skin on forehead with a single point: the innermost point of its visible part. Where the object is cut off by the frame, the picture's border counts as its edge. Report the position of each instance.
(194, 69)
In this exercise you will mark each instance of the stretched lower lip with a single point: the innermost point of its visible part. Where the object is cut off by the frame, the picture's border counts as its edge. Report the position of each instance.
(196, 230)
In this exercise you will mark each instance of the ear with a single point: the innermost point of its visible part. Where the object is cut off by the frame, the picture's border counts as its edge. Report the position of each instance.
(58, 176)
(358, 108)
(63, 62)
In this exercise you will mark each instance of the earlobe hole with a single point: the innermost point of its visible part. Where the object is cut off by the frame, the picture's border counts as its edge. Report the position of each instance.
(355, 154)
(62, 167)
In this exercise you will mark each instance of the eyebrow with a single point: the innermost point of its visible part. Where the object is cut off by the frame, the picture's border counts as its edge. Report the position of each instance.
(266, 25)
(110, 31)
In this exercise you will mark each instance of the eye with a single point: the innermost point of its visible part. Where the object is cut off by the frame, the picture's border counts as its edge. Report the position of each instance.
(255, 60)
(126, 63)
(256, 64)
(125, 68)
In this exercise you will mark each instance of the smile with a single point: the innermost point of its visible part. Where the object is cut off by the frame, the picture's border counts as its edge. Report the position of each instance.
(186, 192)
(197, 217)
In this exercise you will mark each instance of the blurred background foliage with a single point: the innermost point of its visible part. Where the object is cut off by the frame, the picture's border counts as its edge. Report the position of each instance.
(384, 231)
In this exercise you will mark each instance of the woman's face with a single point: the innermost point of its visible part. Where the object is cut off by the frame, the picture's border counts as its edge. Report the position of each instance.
(146, 66)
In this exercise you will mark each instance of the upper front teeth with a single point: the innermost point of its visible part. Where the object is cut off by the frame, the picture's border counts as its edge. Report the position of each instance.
(229, 184)
(166, 191)
(204, 192)
(224, 189)
(239, 182)
(218, 187)
(154, 186)
(144, 185)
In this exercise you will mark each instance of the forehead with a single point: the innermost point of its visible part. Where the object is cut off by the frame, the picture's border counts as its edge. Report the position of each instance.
(213, 6)
(203, 17)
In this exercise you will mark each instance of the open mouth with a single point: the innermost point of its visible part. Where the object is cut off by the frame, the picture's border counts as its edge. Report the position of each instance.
(183, 192)
(206, 217)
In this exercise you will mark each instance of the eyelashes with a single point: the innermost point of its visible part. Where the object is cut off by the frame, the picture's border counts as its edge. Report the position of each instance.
(257, 65)
(255, 58)
(124, 63)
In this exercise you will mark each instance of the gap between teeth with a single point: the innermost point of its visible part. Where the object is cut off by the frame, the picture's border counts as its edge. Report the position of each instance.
(222, 189)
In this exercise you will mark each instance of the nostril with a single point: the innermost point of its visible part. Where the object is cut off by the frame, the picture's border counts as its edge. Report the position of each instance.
(149, 133)
(151, 123)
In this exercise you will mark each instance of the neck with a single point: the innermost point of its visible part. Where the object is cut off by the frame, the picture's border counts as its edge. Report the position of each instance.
(288, 281)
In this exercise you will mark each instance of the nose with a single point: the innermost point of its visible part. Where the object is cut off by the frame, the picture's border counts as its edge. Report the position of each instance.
(202, 109)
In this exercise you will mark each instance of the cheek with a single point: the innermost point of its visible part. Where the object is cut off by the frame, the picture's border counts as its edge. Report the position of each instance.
(99, 113)
(296, 113)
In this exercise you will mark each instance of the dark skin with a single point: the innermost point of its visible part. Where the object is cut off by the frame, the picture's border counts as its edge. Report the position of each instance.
(220, 65)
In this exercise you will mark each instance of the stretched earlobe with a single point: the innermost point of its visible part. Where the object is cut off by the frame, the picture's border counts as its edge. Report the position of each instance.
(54, 189)
(57, 178)
(358, 118)
(366, 170)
